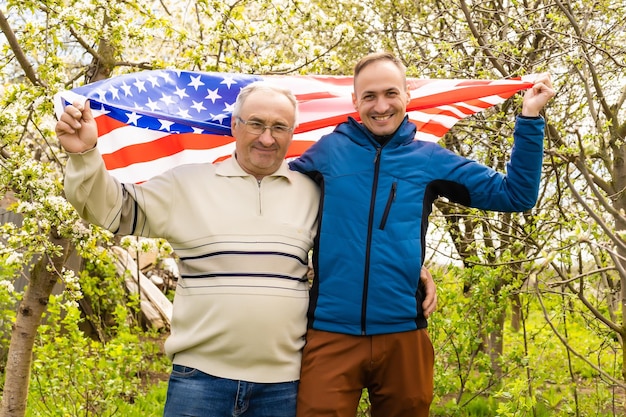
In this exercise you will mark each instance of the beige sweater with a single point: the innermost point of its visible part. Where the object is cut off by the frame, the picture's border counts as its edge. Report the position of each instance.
(240, 305)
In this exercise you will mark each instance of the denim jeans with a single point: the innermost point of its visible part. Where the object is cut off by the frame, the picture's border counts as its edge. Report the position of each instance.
(192, 393)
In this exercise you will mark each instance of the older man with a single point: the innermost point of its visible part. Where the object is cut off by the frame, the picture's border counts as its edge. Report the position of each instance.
(242, 230)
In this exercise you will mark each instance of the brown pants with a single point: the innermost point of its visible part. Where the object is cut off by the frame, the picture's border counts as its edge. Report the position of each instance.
(397, 369)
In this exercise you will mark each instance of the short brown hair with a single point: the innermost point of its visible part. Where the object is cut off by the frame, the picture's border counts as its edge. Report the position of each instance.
(375, 57)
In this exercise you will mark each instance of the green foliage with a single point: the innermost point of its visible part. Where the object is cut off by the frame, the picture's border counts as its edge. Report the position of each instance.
(104, 292)
(364, 404)
(148, 405)
(76, 376)
(8, 299)
(536, 379)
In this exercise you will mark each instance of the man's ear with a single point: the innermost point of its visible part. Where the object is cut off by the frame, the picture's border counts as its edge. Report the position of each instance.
(354, 100)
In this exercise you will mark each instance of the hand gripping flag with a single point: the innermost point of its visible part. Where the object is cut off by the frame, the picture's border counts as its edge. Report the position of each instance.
(151, 121)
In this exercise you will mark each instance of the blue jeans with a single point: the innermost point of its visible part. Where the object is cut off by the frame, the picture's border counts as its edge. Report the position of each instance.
(192, 393)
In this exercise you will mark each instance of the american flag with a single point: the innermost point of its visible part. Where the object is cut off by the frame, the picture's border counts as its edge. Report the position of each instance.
(151, 121)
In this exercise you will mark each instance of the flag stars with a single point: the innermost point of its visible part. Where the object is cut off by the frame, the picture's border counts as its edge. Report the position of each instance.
(140, 85)
(152, 105)
(219, 117)
(228, 108)
(101, 94)
(154, 81)
(133, 118)
(198, 106)
(228, 80)
(166, 99)
(195, 82)
(126, 89)
(114, 93)
(212, 95)
(167, 77)
(180, 92)
(184, 114)
(165, 124)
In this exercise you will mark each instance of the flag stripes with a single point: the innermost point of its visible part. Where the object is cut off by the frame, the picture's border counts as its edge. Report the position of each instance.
(151, 121)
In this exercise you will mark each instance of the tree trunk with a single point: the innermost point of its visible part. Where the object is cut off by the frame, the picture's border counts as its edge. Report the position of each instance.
(496, 346)
(516, 312)
(29, 314)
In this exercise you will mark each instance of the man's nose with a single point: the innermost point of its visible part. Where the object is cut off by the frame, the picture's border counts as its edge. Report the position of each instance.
(266, 137)
(381, 105)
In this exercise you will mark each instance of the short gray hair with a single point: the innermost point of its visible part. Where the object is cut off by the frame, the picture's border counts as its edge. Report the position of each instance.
(264, 86)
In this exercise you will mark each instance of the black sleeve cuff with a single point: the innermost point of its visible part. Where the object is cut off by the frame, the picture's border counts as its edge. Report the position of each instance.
(529, 117)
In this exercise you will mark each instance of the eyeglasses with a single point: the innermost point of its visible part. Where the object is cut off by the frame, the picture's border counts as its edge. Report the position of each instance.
(257, 128)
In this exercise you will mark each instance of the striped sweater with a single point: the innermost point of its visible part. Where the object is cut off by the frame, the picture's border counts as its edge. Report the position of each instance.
(240, 304)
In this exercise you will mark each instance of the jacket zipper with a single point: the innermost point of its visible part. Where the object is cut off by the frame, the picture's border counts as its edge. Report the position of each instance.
(369, 241)
(390, 200)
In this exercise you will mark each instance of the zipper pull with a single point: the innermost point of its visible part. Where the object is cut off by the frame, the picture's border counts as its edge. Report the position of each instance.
(378, 150)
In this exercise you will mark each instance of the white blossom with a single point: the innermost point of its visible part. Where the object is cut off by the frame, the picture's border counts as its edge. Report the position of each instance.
(8, 285)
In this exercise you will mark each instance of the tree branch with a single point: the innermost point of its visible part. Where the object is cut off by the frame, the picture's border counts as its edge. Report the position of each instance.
(19, 53)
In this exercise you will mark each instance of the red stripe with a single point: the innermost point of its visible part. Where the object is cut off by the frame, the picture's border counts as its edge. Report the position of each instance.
(107, 124)
(298, 147)
(160, 148)
(221, 158)
(314, 96)
(321, 123)
(431, 127)
(467, 94)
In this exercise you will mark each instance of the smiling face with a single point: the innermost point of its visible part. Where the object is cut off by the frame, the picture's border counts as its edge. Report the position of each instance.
(381, 96)
(262, 155)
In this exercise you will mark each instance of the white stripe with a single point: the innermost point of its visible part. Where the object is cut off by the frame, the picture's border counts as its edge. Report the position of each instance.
(143, 171)
(493, 100)
(309, 85)
(127, 136)
(426, 137)
(445, 86)
(314, 135)
(444, 120)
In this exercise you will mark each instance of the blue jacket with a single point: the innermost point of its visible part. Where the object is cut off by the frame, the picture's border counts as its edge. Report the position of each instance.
(374, 214)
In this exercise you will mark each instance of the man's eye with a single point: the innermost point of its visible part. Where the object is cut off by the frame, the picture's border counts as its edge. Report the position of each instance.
(280, 128)
(255, 125)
